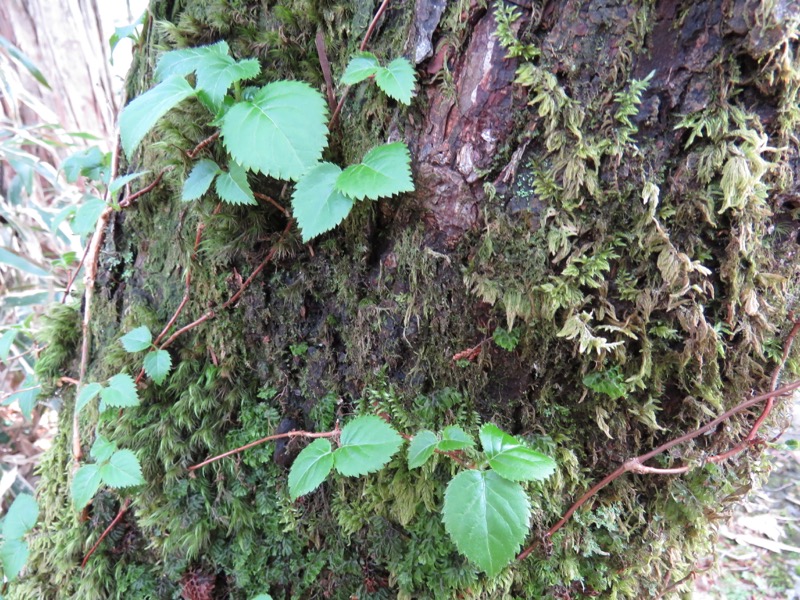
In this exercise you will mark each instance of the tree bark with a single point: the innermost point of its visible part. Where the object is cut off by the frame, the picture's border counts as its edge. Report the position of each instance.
(644, 258)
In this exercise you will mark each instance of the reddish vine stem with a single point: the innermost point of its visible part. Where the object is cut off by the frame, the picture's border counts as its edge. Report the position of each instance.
(233, 299)
(202, 145)
(374, 23)
(278, 436)
(635, 464)
(148, 188)
(74, 275)
(271, 201)
(123, 509)
(326, 68)
(381, 9)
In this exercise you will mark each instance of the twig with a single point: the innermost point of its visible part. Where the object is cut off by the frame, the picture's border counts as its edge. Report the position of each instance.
(233, 299)
(381, 9)
(129, 200)
(326, 68)
(635, 464)
(88, 295)
(74, 275)
(123, 509)
(278, 436)
(202, 145)
(271, 201)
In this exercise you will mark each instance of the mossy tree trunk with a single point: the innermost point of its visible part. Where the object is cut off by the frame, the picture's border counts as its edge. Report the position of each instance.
(645, 244)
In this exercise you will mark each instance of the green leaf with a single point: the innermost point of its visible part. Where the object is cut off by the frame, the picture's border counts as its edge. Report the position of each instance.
(12, 259)
(384, 172)
(121, 392)
(365, 445)
(86, 395)
(316, 204)
(421, 448)
(187, 60)
(157, 365)
(6, 341)
(23, 59)
(487, 518)
(359, 68)
(14, 554)
(263, 597)
(218, 72)
(120, 33)
(397, 80)
(102, 449)
(507, 340)
(141, 114)
(454, 438)
(610, 382)
(26, 397)
(310, 468)
(233, 187)
(137, 339)
(122, 470)
(280, 133)
(85, 219)
(200, 179)
(84, 485)
(119, 182)
(20, 518)
(91, 162)
(511, 459)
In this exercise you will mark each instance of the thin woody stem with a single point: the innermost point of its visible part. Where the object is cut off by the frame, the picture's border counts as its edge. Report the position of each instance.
(269, 438)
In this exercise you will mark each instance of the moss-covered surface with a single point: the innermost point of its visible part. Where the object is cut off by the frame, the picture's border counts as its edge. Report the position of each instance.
(659, 261)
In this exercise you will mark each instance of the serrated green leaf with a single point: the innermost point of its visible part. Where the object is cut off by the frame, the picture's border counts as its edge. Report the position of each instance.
(218, 72)
(384, 172)
(281, 133)
(118, 182)
(454, 438)
(157, 365)
(137, 339)
(122, 470)
(316, 204)
(85, 219)
(102, 449)
(487, 518)
(14, 554)
(6, 341)
(397, 80)
(310, 468)
(141, 114)
(421, 448)
(232, 187)
(121, 392)
(199, 179)
(511, 459)
(359, 68)
(365, 445)
(187, 60)
(84, 485)
(20, 517)
(86, 395)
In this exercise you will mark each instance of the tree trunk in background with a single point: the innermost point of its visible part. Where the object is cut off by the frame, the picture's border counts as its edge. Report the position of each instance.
(649, 275)
(76, 66)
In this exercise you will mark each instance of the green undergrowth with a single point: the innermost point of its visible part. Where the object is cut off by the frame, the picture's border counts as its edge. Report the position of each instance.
(645, 287)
